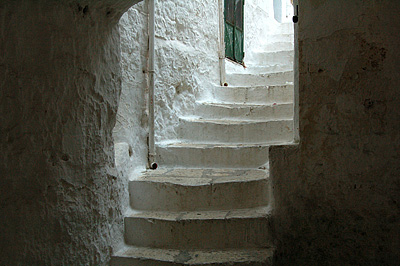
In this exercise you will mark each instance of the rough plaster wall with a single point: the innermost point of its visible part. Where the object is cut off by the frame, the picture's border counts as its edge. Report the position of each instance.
(186, 58)
(338, 193)
(186, 63)
(60, 82)
(186, 67)
(130, 132)
(258, 19)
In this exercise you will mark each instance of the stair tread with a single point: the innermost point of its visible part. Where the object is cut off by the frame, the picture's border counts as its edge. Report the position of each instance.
(278, 42)
(254, 87)
(277, 51)
(245, 105)
(180, 144)
(261, 74)
(254, 68)
(201, 177)
(231, 121)
(197, 257)
(258, 212)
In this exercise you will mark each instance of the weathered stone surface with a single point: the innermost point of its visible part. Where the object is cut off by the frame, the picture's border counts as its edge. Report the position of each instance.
(337, 194)
(60, 196)
(216, 230)
(163, 257)
(130, 131)
(199, 189)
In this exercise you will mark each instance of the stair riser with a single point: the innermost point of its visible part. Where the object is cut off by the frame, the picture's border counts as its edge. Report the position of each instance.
(121, 261)
(285, 28)
(255, 69)
(257, 132)
(257, 95)
(220, 196)
(281, 111)
(280, 78)
(280, 38)
(218, 157)
(198, 234)
(278, 46)
(283, 58)
(232, 68)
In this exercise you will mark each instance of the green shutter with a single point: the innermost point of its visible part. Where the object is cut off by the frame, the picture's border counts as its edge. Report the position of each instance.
(234, 27)
(238, 46)
(229, 41)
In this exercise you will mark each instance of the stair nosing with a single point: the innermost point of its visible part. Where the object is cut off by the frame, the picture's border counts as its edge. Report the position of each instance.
(244, 105)
(255, 87)
(221, 145)
(170, 255)
(231, 122)
(273, 51)
(263, 74)
(211, 179)
(174, 216)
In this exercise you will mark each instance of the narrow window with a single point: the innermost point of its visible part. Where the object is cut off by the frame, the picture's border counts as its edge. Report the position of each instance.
(234, 35)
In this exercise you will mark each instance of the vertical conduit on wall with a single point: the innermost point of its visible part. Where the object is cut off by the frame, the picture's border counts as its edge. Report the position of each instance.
(296, 71)
(221, 52)
(151, 71)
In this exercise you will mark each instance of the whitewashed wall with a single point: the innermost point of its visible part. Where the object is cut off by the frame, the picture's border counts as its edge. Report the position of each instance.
(186, 58)
(186, 63)
(130, 131)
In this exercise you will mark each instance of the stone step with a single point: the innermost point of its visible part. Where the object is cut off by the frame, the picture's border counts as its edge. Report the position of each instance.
(251, 68)
(277, 46)
(254, 94)
(234, 131)
(196, 155)
(234, 111)
(285, 28)
(257, 69)
(263, 58)
(199, 189)
(268, 79)
(246, 228)
(283, 37)
(142, 256)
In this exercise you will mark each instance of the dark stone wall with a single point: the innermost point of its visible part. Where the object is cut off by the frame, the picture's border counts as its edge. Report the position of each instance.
(338, 191)
(60, 196)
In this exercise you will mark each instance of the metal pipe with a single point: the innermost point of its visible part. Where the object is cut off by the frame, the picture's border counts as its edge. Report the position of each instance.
(221, 52)
(151, 71)
(296, 73)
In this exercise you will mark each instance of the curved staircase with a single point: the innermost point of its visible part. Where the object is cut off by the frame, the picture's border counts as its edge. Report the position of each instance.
(209, 204)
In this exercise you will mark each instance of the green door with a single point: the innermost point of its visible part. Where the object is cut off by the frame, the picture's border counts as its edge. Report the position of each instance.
(234, 37)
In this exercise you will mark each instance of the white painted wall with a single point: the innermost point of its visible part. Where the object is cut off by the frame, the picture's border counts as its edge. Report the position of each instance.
(186, 58)
(130, 131)
(186, 63)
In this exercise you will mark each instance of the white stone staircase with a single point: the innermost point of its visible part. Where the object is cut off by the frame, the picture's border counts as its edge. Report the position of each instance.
(209, 203)
(198, 217)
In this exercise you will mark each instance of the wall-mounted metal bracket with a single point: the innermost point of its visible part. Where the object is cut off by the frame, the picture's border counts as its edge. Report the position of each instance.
(296, 15)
